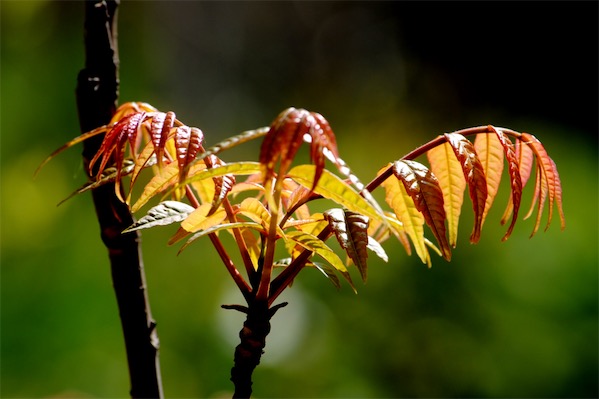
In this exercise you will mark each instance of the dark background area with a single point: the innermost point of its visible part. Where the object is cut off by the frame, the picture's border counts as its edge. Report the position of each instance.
(512, 319)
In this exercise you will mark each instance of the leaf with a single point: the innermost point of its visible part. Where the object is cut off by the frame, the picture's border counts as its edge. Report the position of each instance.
(547, 186)
(351, 231)
(475, 178)
(286, 134)
(524, 158)
(515, 178)
(422, 186)
(201, 219)
(406, 212)
(314, 244)
(163, 214)
(222, 184)
(216, 228)
(160, 129)
(162, 181)
(490, 153)
(376, 247)
(332, 187)
(448, 170)
(328, 271)
(187, 144)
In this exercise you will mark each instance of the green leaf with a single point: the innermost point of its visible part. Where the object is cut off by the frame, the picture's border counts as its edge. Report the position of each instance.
(163, 214)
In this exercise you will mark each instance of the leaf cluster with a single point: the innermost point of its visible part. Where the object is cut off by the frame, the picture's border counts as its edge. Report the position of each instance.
(266, 203)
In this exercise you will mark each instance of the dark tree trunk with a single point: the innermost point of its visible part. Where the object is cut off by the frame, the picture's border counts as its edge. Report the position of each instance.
(97, 95)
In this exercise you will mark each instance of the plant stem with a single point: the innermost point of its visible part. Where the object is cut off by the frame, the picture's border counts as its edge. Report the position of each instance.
(97, 95)
(253, 340)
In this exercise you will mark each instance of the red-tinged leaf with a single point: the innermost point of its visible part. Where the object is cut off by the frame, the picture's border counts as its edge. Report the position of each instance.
(187, 143)
(116, 139)
(490, 153)
(163, 214)
(159, 131)
(411, 219)
(222, 184)
(448, 170)
(548, 185)
(351, 230)
(475, 177)
(287, 132)
(515, 178)
(423, 187)
(524, 159)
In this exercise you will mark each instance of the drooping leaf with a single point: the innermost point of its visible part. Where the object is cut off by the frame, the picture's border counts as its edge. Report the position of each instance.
(376, 247)
(222, 184)
(317, 246)
(115, 140)
(159, 131)
(490, 151)
(188, 142)
(328, 271)
(515, 178)
(524, 159)
(330, 186)
(548, 185)
(448, 170)
(475, 177)
(351, 231)
(422, 186)
(411, 219)
(163, 214)
(286, 134)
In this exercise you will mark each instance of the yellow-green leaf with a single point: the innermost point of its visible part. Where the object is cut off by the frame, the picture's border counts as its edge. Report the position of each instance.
(330, 186)
(405, 210)
(448, 170)
(490, 152)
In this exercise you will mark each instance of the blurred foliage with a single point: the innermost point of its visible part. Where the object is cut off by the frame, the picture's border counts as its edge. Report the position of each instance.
(514, 319)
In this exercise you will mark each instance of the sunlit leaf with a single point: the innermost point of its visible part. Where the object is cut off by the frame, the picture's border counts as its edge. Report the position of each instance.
(286, 134)
(351, 231)
(515, 178)
(475, 177)
(330, 186)
(216, 228)
(317, 246)
(422, 186)
(490, 153)
(160, 129)
(448, 170)
(163, 214)
(411, 219)
(376, 247)
(548, 185)
(201, 219)
(328, 271)
(524, 158)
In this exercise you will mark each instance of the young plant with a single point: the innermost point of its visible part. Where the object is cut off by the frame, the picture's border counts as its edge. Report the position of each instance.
(265, 205)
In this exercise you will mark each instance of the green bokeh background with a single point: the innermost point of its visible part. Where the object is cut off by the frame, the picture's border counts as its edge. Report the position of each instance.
(511, 319)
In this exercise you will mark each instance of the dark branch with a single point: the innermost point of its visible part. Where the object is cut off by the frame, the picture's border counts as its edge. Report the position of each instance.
(97, 95)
